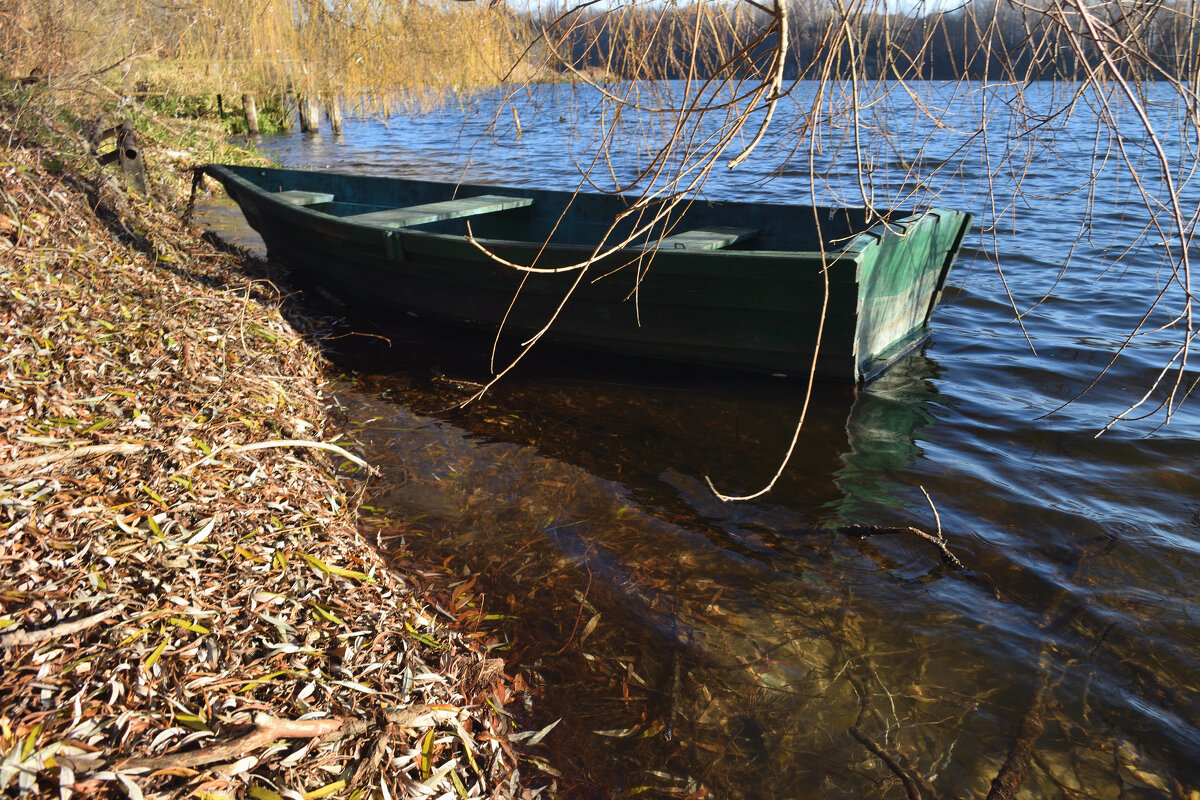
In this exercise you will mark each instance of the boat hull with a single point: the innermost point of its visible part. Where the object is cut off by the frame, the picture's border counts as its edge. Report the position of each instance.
(845, 309)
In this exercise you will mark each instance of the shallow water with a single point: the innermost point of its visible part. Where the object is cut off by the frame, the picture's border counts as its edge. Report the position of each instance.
(806, 644)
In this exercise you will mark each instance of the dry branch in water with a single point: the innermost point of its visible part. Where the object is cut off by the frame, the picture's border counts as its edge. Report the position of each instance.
(911, 788)
(1012, 774)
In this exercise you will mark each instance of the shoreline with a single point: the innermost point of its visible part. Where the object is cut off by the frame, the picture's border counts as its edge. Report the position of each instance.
(187, 602)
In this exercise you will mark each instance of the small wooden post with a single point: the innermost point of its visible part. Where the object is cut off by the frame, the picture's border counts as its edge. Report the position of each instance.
(251, 112)
(302, 112)
(289, 106)
(127, 153)
(310, 114)
(220, 108)
(129, 156)
(333, 108)
(314, 114)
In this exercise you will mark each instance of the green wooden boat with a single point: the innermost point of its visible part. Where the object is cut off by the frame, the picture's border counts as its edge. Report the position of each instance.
(735, 285)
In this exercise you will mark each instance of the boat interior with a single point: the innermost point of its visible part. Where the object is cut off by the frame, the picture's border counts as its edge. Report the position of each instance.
(563, 218)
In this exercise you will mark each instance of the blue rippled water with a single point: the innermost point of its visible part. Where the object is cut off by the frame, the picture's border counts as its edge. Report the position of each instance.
(766, 649)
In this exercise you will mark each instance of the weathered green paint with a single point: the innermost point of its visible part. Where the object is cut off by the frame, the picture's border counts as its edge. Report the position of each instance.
(757, 297)
(299, 198)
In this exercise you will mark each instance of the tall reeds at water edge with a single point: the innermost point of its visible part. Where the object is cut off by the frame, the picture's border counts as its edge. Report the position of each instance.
(370, 54)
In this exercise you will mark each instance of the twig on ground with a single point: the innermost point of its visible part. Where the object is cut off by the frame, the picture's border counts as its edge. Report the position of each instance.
(332, 448)
(266, 729)
(57, 456)
(18, 638)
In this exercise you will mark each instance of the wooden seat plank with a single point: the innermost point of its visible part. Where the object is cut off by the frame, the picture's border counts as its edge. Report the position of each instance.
(299, 198)
(713, 238)
(436, 212)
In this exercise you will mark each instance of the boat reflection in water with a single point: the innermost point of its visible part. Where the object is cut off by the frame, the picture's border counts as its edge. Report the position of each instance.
(883, 432)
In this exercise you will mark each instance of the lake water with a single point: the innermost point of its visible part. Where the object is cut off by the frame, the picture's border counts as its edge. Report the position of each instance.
(804, 644)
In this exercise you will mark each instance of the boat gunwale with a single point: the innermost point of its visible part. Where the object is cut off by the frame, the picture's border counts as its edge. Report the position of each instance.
(855, 245)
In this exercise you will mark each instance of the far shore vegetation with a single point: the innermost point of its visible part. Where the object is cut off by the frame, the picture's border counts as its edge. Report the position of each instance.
(199, 57)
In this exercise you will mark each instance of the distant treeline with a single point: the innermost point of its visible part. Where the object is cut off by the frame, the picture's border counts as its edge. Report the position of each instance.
(994, 39)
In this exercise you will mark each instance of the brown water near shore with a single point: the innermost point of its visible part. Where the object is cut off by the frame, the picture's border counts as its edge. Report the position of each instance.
(576, 492)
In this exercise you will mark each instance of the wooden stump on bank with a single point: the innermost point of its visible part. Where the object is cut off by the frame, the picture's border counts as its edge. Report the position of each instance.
(127, 153)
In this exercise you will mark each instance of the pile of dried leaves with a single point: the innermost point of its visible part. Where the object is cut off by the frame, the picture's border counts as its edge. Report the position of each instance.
(186, 605)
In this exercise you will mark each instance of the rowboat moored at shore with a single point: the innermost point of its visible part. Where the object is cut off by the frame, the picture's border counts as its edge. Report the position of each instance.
(749, 286)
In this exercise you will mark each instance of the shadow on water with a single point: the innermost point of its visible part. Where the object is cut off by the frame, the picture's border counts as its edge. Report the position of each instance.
(760, 650)
(663, 431)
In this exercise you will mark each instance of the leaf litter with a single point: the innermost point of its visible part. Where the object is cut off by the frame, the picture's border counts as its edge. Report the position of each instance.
(187, 607)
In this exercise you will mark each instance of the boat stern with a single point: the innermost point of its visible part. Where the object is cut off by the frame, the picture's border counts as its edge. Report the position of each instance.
(902, 271)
